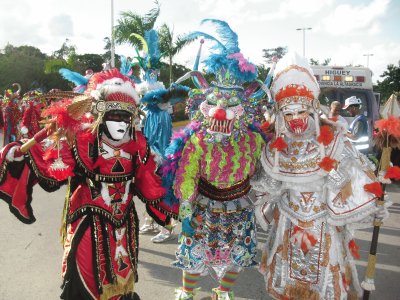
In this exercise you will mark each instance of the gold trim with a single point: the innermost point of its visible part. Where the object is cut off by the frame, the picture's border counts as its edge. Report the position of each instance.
(122, 286)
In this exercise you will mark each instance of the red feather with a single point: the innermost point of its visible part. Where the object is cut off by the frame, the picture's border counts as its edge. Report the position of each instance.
(391, 125)
(326, 135)
(327, 163)
(354, 249)
(393, 173)
(279, 144)
(374, 188)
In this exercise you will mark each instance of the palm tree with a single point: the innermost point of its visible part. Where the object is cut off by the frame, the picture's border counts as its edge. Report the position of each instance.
(168, 47)
(131, 22)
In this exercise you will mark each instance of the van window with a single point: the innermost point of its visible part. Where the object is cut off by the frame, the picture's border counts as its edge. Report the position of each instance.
(328, 95)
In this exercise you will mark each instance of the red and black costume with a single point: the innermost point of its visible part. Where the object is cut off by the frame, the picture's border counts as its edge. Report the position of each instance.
(101, 222)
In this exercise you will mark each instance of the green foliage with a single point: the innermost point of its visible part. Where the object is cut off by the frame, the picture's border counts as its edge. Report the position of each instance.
(270, 53)
(314, 62)
(391, 82)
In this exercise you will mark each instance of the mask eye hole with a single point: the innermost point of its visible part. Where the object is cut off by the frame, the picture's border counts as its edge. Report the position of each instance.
(212, 99)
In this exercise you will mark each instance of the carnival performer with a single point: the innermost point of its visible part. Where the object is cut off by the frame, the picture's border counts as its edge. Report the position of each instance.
(314, 190)
(157, 104)
(11, 114)
(106, 163)
(31, 107)
(215, 158)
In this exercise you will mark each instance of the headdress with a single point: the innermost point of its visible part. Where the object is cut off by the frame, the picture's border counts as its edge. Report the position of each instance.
(294, 82)
(149, 62)
(112, 91)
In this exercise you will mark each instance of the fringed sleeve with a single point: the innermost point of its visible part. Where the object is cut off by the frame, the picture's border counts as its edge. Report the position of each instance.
(188, 172)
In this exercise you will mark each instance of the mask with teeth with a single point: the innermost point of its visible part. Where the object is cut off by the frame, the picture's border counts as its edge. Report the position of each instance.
(222, 108)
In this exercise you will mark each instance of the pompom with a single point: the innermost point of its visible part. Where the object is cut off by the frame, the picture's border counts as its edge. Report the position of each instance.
(326, 135)
(374, 188)
(279, 144)
(393, 173)
(265, 126)
(390, 125)
(327, 163)
(354, 249)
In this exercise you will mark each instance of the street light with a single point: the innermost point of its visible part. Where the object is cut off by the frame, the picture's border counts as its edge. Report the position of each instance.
(368, 55)
(304, 38)
(112, 35)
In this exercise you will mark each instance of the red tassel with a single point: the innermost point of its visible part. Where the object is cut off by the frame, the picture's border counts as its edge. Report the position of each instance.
(393, 173)
(354, 249)
(61, 174)
(374, 188)
(327, 163)
(279, 144)
(326, 135)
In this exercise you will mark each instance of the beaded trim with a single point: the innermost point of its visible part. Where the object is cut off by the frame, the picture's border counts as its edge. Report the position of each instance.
(224, 194)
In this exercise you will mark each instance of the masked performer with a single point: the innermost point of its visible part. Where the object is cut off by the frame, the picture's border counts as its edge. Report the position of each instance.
(316, 188)
(31, 109)
(11, 114)
(212, 180)
(108, 163)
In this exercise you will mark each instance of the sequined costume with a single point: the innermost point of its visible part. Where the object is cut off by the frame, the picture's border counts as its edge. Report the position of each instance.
(104, 176)
(313, 191)
(212, 180)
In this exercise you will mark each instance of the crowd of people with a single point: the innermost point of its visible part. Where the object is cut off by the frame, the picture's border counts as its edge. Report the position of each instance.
(298, 174)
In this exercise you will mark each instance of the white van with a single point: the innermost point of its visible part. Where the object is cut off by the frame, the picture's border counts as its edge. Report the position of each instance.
(339, 83)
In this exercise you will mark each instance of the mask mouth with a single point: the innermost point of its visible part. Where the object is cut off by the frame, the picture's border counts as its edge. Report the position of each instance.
(121, 131)
(223, 127)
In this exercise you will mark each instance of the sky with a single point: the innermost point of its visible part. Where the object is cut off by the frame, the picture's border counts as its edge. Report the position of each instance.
(344, 31)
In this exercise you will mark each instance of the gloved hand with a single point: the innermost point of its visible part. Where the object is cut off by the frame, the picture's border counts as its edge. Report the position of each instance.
(15, 154)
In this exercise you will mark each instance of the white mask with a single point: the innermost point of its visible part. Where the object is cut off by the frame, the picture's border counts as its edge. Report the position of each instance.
(117, 130)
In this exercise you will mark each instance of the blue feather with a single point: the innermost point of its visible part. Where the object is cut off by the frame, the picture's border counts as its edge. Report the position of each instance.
(151, 37)
(196, 34)
(228, 37)
(73, 77)
(125, 66)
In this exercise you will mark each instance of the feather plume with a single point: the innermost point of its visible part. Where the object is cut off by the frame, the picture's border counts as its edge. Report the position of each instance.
(125, 68)
(151, 37)
(393, 173)
(374, 188)
(226, 34)
(145, 47)
(73, 77)
(196, 34)
(390, 125)
(174, 94)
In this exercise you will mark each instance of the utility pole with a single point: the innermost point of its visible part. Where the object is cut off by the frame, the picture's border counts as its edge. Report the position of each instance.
(368, 55)
(112, 36)
(304, 38)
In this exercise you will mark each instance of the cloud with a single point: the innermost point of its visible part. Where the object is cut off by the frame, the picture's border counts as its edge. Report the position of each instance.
(61, 25)
(348, 20)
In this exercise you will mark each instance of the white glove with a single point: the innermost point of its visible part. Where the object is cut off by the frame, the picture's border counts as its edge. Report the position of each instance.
(13, 156)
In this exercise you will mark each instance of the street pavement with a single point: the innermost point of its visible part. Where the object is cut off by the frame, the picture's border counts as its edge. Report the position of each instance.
(30, 257)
